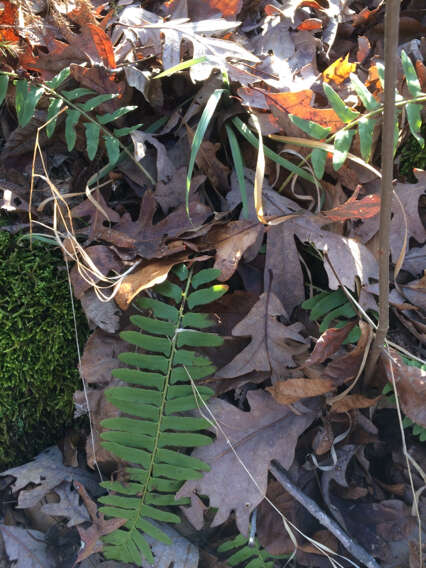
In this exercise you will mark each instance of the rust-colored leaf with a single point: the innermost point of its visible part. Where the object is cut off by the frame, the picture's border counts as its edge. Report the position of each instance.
(7, 21)
(103, 45)
(299, 103)
(364, 17)
(368, 206)
(329, 342)
(292, 390)
(339, 70)
(310, 24)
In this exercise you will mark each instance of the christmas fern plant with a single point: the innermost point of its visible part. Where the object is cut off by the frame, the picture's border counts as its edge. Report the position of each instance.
(154, 434)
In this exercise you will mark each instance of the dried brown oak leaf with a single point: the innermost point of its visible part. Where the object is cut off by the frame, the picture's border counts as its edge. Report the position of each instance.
(91, 537)
(411, 386)
(273, 344)
(268, 431)
(149, 239)
(292, 390)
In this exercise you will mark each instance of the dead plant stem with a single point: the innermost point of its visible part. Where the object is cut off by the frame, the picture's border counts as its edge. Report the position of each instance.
(348, 542)
(386, 189)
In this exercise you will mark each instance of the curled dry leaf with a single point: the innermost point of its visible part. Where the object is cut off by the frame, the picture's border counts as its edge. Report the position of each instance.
(149, 275)
(268, 431)
(345, 368)
(329, 342)
(292, 390)
(410, 385)
(368, 206)
(26, 548)
(273, 344)
(231, 241)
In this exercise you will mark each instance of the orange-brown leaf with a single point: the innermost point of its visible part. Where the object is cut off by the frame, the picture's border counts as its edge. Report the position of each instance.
(310, 24)
(339, 70)
(299, 103)
(368, 206)
(7, 22)
(292, 390)
(102, 44)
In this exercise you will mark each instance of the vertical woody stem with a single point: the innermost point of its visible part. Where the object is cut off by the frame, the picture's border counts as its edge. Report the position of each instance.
(391, 49)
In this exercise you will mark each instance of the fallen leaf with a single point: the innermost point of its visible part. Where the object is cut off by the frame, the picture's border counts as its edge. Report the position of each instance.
(329, 342)
(375, 526)
(310, 24)
(97, 214)
(46, 472)
(345, 368)
(292, 390)
(105, 260)
(100, 356)
(181, 553)
(165, 168)
(273, 344)
(68, 506)
(339, 70)
(100, 409)
(146, 277)
(210, 8)
(149, 239)
(91, 537)
(368, 206)
(231, 241)
(105, 315)
(172, 194)
(26, 548)
(351, 401)
(411, 387)
(299, 103)
(268, 431)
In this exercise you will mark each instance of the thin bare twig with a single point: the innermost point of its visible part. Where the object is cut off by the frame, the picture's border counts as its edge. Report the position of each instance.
(348, 542)
(386, 189)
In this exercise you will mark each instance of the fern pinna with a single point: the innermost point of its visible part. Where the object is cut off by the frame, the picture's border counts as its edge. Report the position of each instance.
(153, 433)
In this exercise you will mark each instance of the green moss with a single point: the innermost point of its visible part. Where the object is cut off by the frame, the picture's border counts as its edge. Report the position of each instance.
(38, 363)
(411, 156)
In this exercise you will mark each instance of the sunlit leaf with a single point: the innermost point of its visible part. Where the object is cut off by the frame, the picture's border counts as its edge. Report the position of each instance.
(414, 117)
(342, 144)
(366, 130)
(413, 82)
(55, 105)
(338, 105)
(312, 128)
(319, 158)
(364, 94)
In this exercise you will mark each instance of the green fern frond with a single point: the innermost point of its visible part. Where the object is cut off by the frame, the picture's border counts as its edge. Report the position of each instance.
(154, 433)
(29, 93)
(251, 554)
(332, 309)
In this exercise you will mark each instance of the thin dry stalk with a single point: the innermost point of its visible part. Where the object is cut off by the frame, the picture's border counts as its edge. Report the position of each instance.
(386, 190)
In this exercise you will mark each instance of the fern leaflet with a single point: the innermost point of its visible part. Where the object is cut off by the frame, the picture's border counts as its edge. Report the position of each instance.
(154, 431)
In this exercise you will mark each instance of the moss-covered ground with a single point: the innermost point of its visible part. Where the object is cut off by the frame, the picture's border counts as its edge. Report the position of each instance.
(38, 363)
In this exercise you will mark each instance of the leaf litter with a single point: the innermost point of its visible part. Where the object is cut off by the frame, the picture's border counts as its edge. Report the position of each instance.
(286, 388)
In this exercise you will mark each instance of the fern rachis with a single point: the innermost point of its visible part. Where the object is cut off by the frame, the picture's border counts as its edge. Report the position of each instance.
(151, 434)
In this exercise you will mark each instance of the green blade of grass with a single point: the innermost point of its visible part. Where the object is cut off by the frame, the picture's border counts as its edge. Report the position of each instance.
(180, 67)
(199, 135)
(251, 138)
(239, 167)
